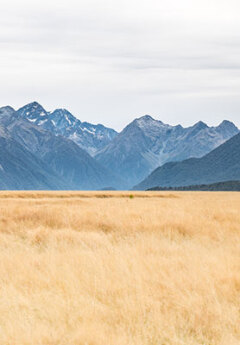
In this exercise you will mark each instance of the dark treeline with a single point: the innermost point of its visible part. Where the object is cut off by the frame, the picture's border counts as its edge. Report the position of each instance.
(219, 186)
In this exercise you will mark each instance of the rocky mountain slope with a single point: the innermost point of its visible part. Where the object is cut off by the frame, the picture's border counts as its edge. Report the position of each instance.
(68, 162)
(147, 143)
(221, 164)
(19, 168)
(65, 145)
(61, 122)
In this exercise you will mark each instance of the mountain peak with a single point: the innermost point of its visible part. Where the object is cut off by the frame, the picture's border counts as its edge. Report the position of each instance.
(200, 125)
(34, 105)
(146, 118)
(227, 124)
(32, 111)
(147, 121)
(61, 122)
(63, 118)
(6, 110)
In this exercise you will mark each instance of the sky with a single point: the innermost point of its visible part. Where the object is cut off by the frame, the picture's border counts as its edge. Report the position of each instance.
(112, 61)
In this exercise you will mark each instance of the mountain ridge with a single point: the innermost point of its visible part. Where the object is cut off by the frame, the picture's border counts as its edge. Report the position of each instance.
(71, 164)
(126, 157)
(221, 164)
(19, 168)
(61, 122)
(146, 143)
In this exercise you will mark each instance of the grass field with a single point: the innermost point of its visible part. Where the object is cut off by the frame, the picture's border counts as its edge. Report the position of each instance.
(112, 268)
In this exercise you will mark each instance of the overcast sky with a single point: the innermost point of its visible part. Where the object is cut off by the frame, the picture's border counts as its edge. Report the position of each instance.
(110, 61)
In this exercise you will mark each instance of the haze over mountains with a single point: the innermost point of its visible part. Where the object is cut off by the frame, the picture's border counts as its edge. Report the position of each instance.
(221, 164)
(55, 150)
(53, 162)
(147, 143)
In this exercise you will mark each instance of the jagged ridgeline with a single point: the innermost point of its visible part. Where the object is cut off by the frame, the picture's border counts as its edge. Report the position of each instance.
(146, 144)
(61, 122)
(34, 158)
(61, 152)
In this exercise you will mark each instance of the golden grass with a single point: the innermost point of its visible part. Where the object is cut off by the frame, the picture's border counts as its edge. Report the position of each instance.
(115, 269)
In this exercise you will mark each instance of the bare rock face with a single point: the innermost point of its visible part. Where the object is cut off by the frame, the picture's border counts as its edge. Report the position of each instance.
(146, 144)
(89, 137)
(34, 158)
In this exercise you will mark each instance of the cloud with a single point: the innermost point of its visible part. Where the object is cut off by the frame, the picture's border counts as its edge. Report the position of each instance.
(109, 61)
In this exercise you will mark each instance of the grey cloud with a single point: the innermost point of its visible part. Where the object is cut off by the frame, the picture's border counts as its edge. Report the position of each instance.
(110, 61)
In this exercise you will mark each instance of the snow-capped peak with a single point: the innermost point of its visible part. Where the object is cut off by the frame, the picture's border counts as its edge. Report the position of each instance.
(61, 122)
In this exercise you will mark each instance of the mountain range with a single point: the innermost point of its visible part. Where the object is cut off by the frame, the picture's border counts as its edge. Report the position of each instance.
(221, 164)
(147, 143)
(61, 122)
(55, 150)
(44, 160)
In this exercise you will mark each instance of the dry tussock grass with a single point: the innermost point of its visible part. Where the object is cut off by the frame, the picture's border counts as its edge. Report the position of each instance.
(107, 269)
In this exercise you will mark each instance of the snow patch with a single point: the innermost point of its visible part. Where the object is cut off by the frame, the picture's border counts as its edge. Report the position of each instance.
(88, 130)
(73, 136)
(67, 118)
(41, 122)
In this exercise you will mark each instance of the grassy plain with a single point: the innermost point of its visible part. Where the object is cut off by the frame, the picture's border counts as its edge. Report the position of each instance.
(112, 268)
